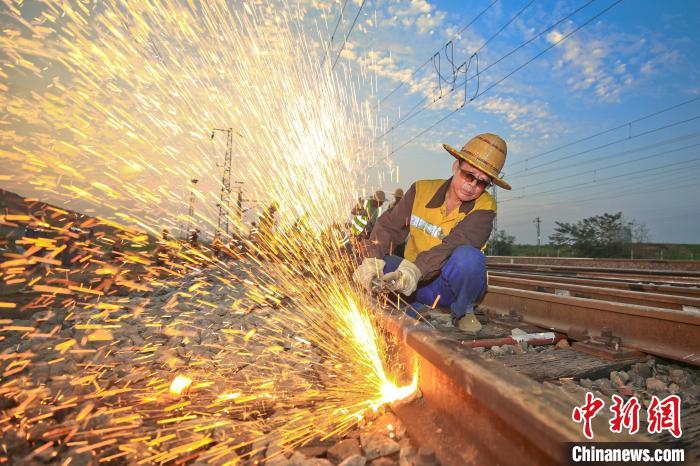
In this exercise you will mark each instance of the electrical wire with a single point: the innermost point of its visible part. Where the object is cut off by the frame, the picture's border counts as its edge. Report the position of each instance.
(597, 182)
(609, 130)
(456, 36)
(657, 154)
(335, 29)
(345, 41)
(404, 119)
(618, 141)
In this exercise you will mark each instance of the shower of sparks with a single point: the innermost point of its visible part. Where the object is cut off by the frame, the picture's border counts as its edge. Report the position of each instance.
(119, 351)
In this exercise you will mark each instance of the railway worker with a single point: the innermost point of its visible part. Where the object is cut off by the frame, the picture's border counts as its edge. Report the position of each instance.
(365, 215)
(398, 194)
(445, 225)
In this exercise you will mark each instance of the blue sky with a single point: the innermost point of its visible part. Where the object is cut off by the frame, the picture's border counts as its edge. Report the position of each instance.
(635, 59)
(599, 101)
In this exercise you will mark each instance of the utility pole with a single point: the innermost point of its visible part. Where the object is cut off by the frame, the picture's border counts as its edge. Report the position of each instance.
(190, 210)
(537, 222)
(225, 196)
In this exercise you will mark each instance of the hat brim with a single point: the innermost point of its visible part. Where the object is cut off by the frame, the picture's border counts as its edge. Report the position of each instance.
(459, 155)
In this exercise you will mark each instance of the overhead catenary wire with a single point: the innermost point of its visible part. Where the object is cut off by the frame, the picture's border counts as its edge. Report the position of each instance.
(675, 187)
(599, 181)
(340, 17)
(595, 169)
(513, 18)
(503, 78)
(474, 56)
(618, 188)
(477, 75)
(335, 29)
(456, 36)
(345, 40)
(475, 53)
(609, 130)
(608, 144)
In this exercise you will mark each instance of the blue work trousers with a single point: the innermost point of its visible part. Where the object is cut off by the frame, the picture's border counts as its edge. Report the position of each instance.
(461, 282)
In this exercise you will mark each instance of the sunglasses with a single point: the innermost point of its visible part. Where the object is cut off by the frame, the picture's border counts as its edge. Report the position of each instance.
(469, 178)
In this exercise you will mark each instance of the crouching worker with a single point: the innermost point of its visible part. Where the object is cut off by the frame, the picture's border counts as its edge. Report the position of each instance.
(445, 224)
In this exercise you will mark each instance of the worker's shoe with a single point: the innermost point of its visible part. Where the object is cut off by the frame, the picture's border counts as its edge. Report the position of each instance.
(469, 323)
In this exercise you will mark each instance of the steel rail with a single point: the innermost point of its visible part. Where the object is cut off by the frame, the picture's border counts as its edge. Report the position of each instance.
(478, 411)
(664, 301)
(658, 264)
(605, 283)
(588, 270)
(662, 332)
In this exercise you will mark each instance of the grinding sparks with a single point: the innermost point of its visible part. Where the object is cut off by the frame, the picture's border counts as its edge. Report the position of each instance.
(116, 117)
(180, 384)
(392, 393)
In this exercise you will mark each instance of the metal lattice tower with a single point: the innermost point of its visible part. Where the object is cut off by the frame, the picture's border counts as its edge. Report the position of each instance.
(225, 196)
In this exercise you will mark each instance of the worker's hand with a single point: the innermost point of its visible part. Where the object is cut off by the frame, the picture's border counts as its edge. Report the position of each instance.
(405, 278)
(370, 269)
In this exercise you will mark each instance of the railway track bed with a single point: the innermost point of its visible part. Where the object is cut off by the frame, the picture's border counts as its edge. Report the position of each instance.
(512, 401)
(512, 404)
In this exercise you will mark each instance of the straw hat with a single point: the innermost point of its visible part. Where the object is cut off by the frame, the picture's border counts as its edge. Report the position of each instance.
(398, 194)
(379, 196)
(487, 152)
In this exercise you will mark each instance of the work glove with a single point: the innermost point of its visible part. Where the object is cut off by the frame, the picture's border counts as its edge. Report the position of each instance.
(405, 278)
(370, 269)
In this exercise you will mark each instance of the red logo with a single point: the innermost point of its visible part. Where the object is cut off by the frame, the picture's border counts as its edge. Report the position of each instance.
(625, 415)
(661, 415)
(665, 415)
(587, 412)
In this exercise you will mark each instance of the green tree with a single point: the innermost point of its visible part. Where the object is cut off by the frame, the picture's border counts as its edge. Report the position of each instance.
(503, 244)
(597, 236)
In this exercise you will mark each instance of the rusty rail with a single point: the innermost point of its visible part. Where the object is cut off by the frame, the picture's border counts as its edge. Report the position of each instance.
(665, 301)
(669, 276)
(659, 264)
(663, 332)
(620, 284)
(478, 411)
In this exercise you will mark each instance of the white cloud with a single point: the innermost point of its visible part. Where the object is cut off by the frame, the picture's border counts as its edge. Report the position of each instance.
(384, 65)
(428, 23)
(420, 14)
(526, 118)
(414, 7)
(595, 65)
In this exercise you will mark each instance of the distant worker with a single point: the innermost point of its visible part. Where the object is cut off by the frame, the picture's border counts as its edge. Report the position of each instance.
(398, 194)
(365, 215)
(194, 237)
(267, 222)
(217, 245)
(445, 224)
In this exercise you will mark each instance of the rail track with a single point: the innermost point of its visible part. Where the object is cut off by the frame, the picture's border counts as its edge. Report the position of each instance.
(657, 264)
(675, 277)
(611, 283)
(478, 411)
(517, 409)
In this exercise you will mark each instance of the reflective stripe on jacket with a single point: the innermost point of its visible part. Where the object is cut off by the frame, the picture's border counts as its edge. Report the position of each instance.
(360, 221)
